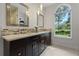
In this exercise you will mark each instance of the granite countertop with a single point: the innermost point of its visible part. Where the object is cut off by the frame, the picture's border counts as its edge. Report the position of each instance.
(19, 36)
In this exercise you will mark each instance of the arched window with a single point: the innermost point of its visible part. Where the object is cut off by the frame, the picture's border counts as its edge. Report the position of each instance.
(63, 21)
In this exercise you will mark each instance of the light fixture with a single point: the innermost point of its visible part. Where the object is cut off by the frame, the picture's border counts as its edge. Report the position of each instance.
(27, 12)
(8, 6)
(41, 7)
(38, 12)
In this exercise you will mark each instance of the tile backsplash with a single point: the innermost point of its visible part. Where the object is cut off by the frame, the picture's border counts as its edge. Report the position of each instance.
(20, 30)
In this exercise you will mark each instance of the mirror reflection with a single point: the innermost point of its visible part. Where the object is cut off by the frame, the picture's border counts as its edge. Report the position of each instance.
(13, 18)
(40, 20)
(12, 14)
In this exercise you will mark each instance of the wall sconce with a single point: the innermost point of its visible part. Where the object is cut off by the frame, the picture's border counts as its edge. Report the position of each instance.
(38, 12)
(41, 7)
(27, 12)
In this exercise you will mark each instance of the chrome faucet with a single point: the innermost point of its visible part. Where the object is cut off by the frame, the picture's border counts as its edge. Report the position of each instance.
(36, 28)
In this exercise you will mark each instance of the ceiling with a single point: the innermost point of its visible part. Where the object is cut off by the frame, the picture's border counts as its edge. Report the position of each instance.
(47, 4)
(38, 4)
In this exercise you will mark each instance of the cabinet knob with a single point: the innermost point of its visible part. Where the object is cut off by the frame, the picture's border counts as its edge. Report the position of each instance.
(19, 54)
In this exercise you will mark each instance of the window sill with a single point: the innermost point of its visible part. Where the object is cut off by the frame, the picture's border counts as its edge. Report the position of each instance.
(62, 36)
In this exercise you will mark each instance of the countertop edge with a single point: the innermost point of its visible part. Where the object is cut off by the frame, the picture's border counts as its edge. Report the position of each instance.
(20, 36)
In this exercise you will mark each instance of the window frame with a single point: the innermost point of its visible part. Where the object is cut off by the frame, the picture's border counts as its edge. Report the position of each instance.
(61, 36)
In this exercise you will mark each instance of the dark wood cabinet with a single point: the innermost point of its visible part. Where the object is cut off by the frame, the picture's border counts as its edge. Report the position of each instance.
(47, 38)
(35, 48)
(18, 52)
(30, 46)
(41, 44)
(18, 47)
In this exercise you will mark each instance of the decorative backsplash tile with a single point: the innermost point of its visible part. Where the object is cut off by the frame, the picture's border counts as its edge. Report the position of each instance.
(20, 30)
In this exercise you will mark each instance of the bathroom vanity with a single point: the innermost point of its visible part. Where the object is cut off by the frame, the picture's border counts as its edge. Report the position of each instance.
(29, 44)
(24, 44)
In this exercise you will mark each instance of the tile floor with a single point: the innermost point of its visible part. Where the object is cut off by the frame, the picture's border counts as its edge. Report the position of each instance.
(59, 51)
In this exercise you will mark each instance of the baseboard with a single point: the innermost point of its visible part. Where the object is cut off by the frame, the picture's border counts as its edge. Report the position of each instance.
(61, 46)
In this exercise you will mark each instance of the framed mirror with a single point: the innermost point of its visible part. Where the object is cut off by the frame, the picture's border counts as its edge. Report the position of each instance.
(23, 15)
(16, 15)
(40, 20)
(11, 15)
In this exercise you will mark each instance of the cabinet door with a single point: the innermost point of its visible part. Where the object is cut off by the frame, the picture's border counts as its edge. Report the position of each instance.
(20, 52)
(17, 48)
(29, 46)
(35, 48)
(48, 38)
(41, 45)
(33, 45)
(29, 50)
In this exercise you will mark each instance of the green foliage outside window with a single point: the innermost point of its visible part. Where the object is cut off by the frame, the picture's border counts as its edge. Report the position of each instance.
(62, 21)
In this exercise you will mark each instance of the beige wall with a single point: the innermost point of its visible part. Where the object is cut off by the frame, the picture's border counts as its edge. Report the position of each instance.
(2, 24)
(49, 23)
